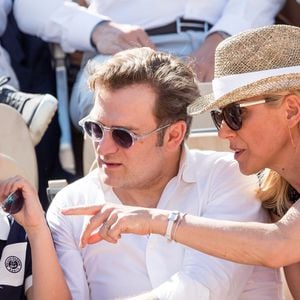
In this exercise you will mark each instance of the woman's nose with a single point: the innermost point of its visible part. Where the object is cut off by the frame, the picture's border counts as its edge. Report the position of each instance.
(225, 132)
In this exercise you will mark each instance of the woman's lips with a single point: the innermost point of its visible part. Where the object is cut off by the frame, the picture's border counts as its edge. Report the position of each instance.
(237, 152)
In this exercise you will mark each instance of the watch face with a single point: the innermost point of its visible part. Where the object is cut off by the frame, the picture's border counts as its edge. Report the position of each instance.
(173, 216)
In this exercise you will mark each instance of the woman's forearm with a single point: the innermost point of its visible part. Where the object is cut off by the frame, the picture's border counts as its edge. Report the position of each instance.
(272, 245)
(242, 242)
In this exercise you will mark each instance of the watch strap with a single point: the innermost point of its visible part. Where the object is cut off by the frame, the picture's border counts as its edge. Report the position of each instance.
(172, 218)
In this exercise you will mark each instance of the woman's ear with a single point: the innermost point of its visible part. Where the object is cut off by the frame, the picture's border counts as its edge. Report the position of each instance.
(292, 110)
(175, 135)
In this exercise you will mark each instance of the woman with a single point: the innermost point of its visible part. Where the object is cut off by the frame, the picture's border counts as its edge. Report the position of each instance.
(257, 87)
(27, 271)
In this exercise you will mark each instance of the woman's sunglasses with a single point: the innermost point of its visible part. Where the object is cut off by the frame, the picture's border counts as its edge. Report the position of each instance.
(123, 137)
(232, 113)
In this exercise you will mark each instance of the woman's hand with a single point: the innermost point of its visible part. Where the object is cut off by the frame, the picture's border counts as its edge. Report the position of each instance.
(109, 221)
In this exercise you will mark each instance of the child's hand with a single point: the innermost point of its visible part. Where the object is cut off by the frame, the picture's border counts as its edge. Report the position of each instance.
(31, 215)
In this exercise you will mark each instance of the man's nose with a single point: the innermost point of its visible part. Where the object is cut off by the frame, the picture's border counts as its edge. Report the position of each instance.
(107, 145)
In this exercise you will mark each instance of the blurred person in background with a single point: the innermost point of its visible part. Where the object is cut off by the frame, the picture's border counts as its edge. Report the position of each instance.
(188, 29)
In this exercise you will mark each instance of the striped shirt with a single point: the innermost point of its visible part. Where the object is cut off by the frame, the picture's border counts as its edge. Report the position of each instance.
(15, 263)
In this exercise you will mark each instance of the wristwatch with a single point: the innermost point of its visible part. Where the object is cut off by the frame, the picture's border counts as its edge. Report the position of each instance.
(172, 218)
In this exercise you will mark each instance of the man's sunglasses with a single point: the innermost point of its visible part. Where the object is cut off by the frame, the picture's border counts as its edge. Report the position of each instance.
(232, 113)
(123, 137)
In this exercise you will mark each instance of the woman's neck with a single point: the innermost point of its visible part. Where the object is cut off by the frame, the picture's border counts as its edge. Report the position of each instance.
(290, 170)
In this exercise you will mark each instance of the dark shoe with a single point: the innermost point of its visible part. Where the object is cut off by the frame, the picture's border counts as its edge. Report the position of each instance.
(37, 110)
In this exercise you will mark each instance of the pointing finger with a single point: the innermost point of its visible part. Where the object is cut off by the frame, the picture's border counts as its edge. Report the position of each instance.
(82, 210)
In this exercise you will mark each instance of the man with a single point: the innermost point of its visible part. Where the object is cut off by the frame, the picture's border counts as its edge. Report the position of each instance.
(188, 29)
(138, 125)
(112, 26)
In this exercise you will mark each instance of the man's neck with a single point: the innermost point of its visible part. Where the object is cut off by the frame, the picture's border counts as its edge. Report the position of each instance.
(139, 197)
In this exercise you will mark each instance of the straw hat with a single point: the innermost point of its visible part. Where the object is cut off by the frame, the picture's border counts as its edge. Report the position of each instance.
(255, 62)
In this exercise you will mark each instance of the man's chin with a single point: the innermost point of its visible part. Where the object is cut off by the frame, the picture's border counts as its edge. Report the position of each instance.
(106, 179)
(111, 181)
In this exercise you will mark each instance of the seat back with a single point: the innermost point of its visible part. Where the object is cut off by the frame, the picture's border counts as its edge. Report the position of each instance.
(207, 140)
(16, 143)
(88, 156)
(9, 167)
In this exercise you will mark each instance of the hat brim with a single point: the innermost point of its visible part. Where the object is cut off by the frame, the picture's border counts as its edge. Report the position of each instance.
(266, 86)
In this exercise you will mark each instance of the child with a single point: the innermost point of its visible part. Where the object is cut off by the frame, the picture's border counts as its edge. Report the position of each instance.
(28, 267)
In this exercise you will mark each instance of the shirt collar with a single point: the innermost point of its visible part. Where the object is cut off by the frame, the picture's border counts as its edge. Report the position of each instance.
(187, 166)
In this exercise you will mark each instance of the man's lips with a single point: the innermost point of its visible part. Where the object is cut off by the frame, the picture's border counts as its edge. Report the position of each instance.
(109, 164)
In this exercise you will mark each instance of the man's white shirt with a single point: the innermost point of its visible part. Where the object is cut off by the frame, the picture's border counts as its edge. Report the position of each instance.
(208, 184)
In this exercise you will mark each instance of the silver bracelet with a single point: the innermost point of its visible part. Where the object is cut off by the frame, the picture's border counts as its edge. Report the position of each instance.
(177, 225)
(172, 218)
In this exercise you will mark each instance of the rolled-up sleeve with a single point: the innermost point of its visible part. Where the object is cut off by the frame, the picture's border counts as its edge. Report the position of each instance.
(234, 16)
(242, 15)
(58, 21)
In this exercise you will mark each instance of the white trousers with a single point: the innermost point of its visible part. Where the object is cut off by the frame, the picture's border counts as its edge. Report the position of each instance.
(6, 69)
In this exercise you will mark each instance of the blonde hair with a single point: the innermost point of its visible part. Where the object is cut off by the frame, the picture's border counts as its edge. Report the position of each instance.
(273, 190)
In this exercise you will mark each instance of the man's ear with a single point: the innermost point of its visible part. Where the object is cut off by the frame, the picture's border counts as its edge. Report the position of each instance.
(292, 110)
(175, 135)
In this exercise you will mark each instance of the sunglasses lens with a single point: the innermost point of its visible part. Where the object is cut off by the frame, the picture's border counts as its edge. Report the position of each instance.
(217, 118)
(93, 130)
(232, 116)
(122, 138)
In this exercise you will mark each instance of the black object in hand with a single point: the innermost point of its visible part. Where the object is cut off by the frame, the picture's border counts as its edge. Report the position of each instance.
(14, 202)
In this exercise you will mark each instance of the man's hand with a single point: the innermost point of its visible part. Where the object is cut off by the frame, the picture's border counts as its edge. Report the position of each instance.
(109, 221)
(110, 38)
(203, 59)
